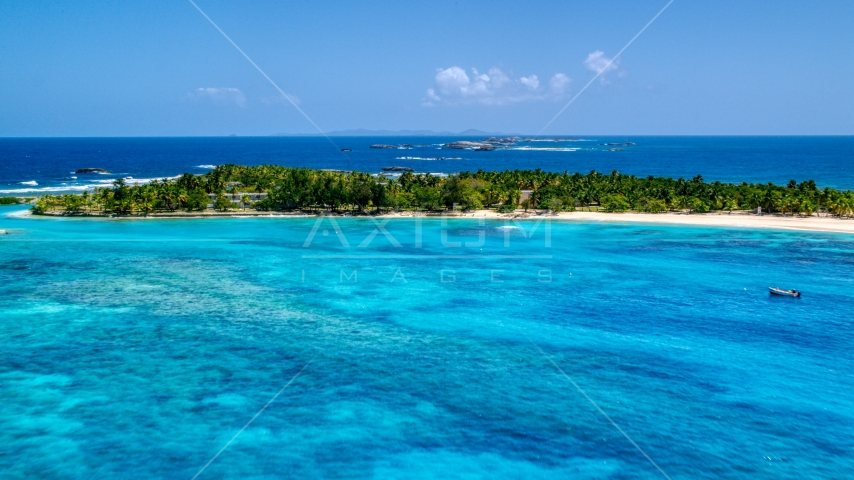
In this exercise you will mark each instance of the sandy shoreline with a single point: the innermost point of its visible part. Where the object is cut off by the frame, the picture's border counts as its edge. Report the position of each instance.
(736, 219)
(743, 220)
(821, 224)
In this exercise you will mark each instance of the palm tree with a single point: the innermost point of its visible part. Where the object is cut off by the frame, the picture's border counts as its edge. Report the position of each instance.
(106, 197)
(730, 204)
(807, 207)
(85, 199)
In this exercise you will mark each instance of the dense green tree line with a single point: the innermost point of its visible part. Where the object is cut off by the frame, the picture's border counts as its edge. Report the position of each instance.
(13, 200)
(307, 189)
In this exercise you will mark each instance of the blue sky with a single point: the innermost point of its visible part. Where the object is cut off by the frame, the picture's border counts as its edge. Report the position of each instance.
(100, 68)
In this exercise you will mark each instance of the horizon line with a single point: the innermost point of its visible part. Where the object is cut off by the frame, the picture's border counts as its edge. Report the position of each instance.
(438, 134)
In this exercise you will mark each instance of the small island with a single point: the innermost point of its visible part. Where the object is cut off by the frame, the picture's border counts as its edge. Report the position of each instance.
(467, 145)
(275, 190)
(92, 170)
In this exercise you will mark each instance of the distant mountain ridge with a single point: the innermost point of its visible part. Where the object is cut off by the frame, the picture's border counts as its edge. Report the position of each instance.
(362, 132)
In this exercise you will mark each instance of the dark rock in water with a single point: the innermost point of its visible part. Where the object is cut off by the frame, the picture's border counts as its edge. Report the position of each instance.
(348, 149)
(502, 141)
(466, 145)
(618, 144)
(92, 170)
(397, 169)
(382, 145)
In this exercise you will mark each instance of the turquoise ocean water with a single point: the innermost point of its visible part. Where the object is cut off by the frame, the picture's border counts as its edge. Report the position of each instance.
(138, 349)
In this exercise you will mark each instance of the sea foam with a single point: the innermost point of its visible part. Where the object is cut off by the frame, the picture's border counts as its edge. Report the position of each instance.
(546, 149)
(101, 183)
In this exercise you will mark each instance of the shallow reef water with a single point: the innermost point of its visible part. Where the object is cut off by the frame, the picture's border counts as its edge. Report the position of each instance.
(428, 349)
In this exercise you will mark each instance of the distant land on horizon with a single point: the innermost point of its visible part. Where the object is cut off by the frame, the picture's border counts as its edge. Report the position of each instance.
(363, 132)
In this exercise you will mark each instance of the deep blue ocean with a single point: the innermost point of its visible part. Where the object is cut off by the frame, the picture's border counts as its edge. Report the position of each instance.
(32, 166)
(398, 348)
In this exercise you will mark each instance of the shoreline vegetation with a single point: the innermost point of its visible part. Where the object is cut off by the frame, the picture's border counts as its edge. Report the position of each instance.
(230, 190)
(15, 200)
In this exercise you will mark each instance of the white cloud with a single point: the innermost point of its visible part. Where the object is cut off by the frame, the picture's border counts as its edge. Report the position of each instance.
(431, 95)
(597, 62)
(454, 86)
(559, 84)
(453, 78)
(221, 95)
(531, 82)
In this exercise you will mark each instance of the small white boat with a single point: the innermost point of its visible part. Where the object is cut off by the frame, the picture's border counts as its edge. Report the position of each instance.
(785, 293)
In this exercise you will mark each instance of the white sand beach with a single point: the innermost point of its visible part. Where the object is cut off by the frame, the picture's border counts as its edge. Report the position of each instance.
(735, 219)
(746, 220)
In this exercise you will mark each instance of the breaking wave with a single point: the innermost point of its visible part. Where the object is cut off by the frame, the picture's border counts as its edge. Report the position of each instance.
(547, 149)
(106, 182)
